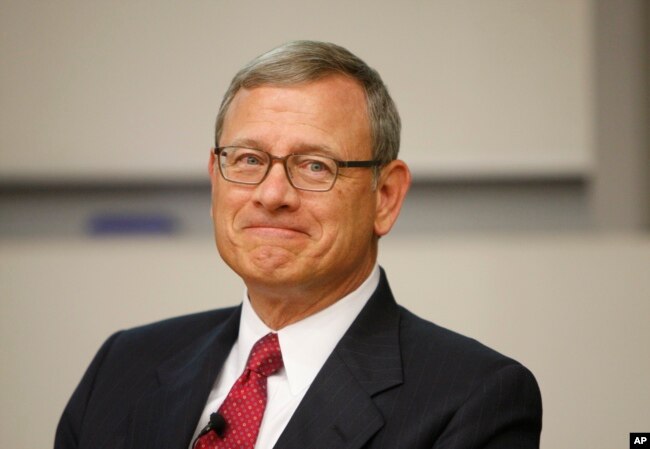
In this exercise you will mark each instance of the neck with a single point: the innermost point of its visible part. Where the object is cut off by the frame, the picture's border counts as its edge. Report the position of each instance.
(280, 307)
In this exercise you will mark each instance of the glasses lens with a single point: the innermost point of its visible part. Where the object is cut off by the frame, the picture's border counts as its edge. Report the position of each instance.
(243, 164)
(310, 172)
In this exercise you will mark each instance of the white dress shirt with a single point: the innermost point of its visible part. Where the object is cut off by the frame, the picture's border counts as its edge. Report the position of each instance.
(305, 346)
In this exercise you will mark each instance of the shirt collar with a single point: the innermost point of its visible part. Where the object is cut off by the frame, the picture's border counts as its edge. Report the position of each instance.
(306, 344)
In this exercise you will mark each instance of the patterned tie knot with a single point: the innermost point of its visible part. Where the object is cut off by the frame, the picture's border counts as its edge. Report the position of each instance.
(265, 357)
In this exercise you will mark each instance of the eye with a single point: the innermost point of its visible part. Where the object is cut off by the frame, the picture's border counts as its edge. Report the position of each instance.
(252, 160)
(248, 159)
(316, 166)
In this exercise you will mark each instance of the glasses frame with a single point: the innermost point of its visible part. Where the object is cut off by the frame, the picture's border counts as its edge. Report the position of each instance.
(339, 164)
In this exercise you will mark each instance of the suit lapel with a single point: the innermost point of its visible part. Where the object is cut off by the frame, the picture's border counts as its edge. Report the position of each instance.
(339, 410)
(168, 417)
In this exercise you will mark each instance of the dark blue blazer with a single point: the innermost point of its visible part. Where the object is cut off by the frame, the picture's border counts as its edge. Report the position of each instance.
(393, 381)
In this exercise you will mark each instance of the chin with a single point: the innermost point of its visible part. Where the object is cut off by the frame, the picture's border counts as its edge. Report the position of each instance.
(274, 262)
(266, 264)
(274, 280)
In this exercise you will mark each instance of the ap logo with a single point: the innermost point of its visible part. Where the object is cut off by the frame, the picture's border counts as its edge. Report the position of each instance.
(640, 440)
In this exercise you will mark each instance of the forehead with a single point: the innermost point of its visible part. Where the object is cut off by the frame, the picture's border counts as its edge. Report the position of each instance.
(329, 113)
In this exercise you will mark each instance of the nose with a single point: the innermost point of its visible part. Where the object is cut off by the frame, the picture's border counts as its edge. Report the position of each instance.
(276, 192)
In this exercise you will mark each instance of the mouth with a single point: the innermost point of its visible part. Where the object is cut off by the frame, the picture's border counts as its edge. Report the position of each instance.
(274, 231)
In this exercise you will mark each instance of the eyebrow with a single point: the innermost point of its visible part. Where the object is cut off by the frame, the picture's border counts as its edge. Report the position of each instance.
(304, 148)
(245, 142)
(323, 150)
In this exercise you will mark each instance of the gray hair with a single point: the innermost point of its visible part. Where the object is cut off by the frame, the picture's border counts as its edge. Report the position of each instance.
(303, 61)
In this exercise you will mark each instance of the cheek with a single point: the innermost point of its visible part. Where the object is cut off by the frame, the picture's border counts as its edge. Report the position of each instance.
(346, 222)
(224, 209)
(227, 201)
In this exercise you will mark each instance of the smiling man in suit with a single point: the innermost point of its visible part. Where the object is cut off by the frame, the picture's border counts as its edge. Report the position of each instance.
(305, 180)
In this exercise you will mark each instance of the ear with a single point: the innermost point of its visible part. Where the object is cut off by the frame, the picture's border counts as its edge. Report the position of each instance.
(211, 166)
(393, 184)
(213, 175)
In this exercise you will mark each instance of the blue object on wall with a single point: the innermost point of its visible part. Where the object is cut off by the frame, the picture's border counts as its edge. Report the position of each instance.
(129, 224)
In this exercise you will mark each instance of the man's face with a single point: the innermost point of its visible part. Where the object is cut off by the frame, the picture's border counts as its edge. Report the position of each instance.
(273, 235)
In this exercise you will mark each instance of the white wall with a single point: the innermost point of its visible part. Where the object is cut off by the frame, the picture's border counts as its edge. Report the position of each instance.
(107, 90)
(573, 309)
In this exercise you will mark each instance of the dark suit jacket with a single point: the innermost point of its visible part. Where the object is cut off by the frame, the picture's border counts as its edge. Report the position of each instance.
(393, 381)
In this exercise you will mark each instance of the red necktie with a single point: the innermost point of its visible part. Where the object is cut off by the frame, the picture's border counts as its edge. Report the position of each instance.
(244, 406)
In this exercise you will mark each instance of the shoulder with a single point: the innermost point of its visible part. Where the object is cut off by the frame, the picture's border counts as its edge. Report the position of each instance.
(192, 325)
(157, 341)
(419, 333)
(128, 367)
(470, 393)
(427, 347)
(460, 360)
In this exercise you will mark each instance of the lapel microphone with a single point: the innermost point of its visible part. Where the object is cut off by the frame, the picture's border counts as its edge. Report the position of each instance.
(216, 423)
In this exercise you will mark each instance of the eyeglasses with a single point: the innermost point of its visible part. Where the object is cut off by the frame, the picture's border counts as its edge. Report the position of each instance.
(305, 171)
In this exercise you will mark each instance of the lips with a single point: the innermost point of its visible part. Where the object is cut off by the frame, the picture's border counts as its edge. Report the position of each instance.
(274, 229)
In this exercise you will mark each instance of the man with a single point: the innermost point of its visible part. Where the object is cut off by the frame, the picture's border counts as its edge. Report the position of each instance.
(305, 180)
